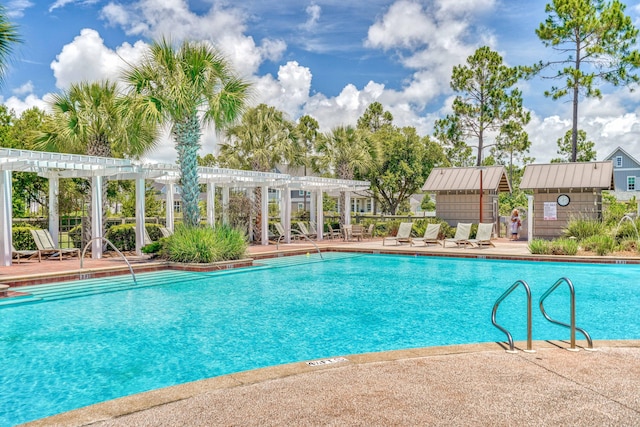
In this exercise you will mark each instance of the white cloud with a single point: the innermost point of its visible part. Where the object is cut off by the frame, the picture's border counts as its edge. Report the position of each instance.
(289, 92)
(86, 58)
(20, 105)
(16, 8)
(24, 89)
(224, 27)
(62, 3)
(313, 13)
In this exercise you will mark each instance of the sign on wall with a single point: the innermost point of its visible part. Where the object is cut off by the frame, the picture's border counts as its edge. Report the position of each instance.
(550, 211)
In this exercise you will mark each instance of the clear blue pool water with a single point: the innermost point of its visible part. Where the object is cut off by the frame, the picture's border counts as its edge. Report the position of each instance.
(65, 354)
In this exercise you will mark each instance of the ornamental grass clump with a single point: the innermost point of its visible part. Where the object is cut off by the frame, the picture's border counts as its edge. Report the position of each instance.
(564, 247)
(582, 228)
(205, 244)
(540, 247)
(601, 245)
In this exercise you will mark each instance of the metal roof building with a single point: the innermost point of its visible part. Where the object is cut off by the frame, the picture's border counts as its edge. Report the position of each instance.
(467, 194)
(562, 191)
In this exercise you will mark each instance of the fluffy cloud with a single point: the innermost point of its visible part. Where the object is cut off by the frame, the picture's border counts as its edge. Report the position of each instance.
(224, 27)
(20, 105)
(15, 8)
(87, 58)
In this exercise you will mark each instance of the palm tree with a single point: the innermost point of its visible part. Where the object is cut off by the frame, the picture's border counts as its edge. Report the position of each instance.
(262, 140)
(96, 119)
(344, 152)
(187, 88)
(8, 38)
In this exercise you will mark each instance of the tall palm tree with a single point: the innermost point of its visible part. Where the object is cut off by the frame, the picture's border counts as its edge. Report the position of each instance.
(187, 88)
(96, 119)
(344, 152)
(8, 37)
(262, 140)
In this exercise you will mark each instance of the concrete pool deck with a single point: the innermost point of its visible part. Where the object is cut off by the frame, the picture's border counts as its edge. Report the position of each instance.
(476, 384)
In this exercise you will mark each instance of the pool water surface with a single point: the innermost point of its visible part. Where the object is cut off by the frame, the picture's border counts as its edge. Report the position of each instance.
(65, 354)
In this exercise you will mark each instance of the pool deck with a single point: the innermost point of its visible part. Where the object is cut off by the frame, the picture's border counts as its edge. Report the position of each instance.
(478, 384)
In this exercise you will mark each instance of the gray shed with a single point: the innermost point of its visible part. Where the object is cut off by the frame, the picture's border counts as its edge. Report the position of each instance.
(562, 191)
(458, 193)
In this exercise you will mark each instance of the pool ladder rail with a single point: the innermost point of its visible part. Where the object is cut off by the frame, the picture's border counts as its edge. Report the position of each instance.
(572, 326)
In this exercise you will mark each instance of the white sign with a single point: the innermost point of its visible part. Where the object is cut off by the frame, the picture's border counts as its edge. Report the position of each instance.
(550, 211)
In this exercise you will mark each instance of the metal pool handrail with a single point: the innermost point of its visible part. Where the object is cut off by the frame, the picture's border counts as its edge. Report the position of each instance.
(114, 248)
(572, 326)
(306, 237)
(495, 310)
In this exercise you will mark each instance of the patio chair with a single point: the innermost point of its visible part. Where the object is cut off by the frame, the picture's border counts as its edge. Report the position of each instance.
(368, 232)
(463, 231)
(25, 254)
(357, 232)
(430, 235)
(483, 236)
(45, 245)
(403, 235)
(332, 233)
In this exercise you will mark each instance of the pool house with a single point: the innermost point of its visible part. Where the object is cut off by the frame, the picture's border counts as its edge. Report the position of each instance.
(56, 166)
(562, 191)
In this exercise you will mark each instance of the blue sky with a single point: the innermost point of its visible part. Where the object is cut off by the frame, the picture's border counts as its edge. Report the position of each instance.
(329, 59)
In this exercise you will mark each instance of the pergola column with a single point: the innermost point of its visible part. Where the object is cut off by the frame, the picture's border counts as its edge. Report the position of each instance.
(530, 214)
(6, 238)
(54, 216)
(319, 214)
(265, 214)
(140, 215)
(347, 208)
(96, 217)
(286, 213)
(225, 205)
(211, 204)
(170, 189)
(312, 208)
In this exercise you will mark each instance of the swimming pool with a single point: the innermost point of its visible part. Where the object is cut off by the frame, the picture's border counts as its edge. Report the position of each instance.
(68, 353)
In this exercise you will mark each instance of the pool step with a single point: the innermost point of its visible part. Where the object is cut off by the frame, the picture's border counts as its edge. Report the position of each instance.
(73, 289)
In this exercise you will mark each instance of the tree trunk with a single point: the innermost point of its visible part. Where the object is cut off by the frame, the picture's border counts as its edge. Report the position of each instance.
(187, 135)
(257, 214)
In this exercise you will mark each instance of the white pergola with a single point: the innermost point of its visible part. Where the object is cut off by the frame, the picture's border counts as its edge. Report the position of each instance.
(55, 166)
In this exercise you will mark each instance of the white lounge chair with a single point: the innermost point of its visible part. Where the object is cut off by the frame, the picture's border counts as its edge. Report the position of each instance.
(45, 245)
(463, 231)
(483, 236)
(403, 236)
(165, 232)
(430, 235)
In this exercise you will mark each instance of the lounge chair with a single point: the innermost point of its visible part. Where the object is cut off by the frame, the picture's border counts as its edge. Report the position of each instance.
(463, 231)
(44, 243)
(304, 231)
(483, 236)
(430, 235)
(25, 254)
(403, 236)
(165, 232)
(357, 232)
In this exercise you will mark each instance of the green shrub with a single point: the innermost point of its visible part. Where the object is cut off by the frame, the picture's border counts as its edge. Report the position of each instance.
(22, 238)
(601, 244)
(540, 247)
(626, 230)
(75, 235)
(630, 245)
(582, 228)
(123, 236)
(564, 247)
(205, 244)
